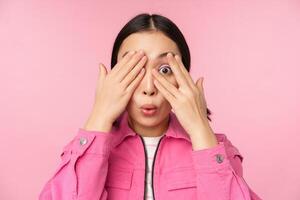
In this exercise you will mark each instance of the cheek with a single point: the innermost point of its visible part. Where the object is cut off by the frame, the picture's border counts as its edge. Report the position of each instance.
(166, 106)
(132, 103)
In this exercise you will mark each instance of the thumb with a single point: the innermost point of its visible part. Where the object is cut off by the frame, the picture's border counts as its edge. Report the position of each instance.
(102, 70)
(199, 83)
(102, 74)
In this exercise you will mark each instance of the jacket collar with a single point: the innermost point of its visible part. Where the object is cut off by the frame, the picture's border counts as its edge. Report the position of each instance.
(175, 130)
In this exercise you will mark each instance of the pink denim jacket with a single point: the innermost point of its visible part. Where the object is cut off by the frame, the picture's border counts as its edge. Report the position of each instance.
(111, 166)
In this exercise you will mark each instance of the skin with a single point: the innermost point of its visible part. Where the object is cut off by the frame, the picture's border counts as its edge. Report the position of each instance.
(173, 89)
(153, 44)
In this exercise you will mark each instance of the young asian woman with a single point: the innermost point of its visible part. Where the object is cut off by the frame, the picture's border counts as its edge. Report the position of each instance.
(148, 135)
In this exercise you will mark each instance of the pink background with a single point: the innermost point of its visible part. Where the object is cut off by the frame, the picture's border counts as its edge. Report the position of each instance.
(248, 52)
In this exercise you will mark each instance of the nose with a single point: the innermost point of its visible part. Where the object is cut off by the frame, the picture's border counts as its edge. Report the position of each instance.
(147, 84)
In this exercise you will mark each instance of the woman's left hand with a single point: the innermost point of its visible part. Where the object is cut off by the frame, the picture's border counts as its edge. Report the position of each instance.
(187, 101)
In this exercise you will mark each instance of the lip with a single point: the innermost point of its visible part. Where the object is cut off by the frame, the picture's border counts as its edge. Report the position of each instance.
(149, 109)
(148, 106)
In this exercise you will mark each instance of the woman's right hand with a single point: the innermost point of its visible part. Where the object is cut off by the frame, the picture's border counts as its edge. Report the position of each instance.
(114, 90)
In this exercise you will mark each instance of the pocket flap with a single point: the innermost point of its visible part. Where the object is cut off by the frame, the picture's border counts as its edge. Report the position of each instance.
(119, 178)
(181, 178)
(181, 185)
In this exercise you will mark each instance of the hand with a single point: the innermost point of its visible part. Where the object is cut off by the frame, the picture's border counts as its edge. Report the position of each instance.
(114, 89)
(188, 100)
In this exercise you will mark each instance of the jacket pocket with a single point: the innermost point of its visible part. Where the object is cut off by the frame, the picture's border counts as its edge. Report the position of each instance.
(119, 178)
(181, 178)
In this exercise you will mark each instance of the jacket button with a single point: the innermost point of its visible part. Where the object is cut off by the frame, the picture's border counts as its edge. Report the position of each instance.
(219, 158)
(82, 141)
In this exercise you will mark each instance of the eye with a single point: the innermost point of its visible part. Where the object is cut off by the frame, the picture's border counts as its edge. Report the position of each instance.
(165, 68)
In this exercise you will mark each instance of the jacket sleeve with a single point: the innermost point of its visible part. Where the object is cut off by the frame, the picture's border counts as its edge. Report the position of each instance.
(220, 173)
(82, 172)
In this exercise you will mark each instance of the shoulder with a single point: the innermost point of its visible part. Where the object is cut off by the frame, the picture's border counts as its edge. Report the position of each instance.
(231, 150)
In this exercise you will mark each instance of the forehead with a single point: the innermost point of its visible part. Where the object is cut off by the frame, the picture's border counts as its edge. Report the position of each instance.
(153, 44)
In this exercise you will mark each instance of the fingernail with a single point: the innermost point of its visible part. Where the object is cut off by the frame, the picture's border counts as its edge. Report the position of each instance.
(140, 52)
(170, 55)
(131, 52)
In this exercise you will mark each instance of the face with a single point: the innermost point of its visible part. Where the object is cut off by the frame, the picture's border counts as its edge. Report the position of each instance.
(153, 44)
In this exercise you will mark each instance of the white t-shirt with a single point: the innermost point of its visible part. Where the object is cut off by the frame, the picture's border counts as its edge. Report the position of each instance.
(150, 145)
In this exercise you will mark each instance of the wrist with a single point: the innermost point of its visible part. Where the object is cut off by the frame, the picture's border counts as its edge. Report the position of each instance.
(97, 122)
(97, 126)
(203, 138)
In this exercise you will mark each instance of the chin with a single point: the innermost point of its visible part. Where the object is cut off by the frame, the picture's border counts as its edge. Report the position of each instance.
(148, 122)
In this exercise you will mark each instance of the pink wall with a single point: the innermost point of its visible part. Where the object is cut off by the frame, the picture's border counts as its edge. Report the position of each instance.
(248, 52)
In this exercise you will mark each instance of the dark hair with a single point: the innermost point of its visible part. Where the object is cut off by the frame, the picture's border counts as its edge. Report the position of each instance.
(145, 22)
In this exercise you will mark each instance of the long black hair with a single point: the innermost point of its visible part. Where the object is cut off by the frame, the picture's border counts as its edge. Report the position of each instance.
(145, 22)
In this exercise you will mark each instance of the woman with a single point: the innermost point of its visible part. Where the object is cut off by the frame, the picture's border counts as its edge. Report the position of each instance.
(148, 135)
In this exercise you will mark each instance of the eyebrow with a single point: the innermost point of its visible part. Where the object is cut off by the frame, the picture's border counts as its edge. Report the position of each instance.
(159, 56)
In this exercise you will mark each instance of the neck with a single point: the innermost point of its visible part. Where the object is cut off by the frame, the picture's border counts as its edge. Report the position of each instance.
(149, 131)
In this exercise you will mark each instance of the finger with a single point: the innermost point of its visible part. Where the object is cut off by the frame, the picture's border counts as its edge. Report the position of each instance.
(123, 61)
(177, 72)
(202, 90)
(170, 98)
(133, 73)
(184, 71)
(129, 66)
(102, 69)
(102, 73)
(199, 89)
(166, 84)
(132, 86)
(202, 87)
(199, 84)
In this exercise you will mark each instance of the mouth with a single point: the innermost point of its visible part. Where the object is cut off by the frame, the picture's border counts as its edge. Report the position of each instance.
(149, 109)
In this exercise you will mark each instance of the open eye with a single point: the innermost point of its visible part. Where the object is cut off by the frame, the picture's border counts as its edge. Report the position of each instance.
(165, 68)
